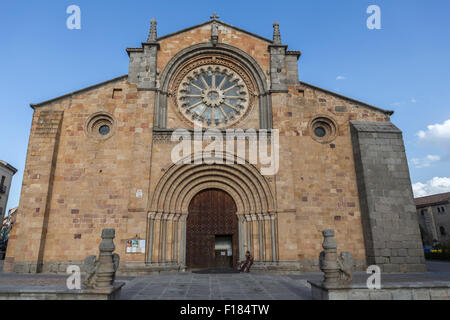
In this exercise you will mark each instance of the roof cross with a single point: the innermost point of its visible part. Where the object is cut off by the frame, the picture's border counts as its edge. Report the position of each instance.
(214, 16)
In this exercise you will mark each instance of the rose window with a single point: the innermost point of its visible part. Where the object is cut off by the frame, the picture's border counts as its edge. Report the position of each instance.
(213, 96)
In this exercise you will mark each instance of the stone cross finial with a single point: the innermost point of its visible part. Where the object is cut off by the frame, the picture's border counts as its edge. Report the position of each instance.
(276, 33)
(214, 16)
(152, 36)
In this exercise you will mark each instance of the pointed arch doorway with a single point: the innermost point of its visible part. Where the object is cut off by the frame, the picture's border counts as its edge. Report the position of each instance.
(212, 232)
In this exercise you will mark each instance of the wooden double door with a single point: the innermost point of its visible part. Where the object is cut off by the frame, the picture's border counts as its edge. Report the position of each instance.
(212, 231)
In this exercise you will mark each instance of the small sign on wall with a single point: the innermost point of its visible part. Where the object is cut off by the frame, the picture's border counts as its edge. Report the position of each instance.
(135, 246)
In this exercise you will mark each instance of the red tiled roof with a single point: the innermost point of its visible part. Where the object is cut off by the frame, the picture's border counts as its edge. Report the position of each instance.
(432, 200)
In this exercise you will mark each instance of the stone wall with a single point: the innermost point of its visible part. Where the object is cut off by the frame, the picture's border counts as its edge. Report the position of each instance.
(389, 291)
(316, 184)
(75, 185)
(390, 224)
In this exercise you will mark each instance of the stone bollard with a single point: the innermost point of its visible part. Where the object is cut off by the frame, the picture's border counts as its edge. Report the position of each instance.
(106, 272)
(328, 259)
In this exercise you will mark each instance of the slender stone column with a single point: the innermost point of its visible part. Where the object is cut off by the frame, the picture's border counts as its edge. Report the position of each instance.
(163, 238)
(175, 239)
(249, 234)
(158, 238)
(150, 236)
(241, 238)
(183, 241)
(261, 240)
(266, 234)
(273, 238)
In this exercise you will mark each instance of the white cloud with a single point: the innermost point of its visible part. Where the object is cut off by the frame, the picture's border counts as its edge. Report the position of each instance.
(396, 104)
(425, 162)
(433, 186)
(403, 102)
(341, 78)
(437, 134)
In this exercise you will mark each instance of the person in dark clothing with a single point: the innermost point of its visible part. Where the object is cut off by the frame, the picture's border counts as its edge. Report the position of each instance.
(246, 265)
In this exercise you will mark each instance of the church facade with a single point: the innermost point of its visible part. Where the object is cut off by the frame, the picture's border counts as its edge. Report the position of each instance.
(102, 157)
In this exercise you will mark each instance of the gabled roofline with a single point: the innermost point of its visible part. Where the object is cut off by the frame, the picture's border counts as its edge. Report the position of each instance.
(432, 204)
(37, 105)
(8, 166)
(387, 112)
(218, 21)
(433, 200)
(167, 36)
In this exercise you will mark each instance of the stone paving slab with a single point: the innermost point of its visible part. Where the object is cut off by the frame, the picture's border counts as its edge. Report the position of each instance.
(194, 286)
(217, 287)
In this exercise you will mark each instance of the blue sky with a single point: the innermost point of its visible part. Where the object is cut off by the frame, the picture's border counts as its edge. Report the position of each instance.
(404, 67)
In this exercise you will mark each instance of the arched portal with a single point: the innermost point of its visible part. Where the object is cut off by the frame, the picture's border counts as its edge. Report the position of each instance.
(175, 194)
(212, 235)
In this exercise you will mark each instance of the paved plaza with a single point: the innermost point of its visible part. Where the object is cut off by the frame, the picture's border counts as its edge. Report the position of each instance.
(219, 286)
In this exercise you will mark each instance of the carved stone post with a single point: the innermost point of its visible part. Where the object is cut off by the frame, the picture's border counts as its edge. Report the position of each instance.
(278, 72)
(106, 271)
(328, 259)
(214, 33)
(152, 36)
(276, 34)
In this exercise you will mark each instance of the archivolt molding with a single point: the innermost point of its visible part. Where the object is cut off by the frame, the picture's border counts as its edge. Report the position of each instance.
(243, 182)
(220, 49)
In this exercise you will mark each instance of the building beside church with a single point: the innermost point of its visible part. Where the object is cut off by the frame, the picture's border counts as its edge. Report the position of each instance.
(434, 218)
(102, 158)
(7, 172)
(7, 225)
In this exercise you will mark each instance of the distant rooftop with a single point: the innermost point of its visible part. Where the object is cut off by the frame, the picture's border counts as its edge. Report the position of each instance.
(8, 166)
(436, 199)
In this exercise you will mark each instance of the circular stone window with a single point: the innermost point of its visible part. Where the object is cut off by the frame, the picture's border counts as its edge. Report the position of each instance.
(100, 126)
(320, 132)
(104, 130)
(323, 129)
(213, 96)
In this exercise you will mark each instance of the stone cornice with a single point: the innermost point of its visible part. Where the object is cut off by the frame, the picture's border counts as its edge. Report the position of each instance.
(69, 95)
